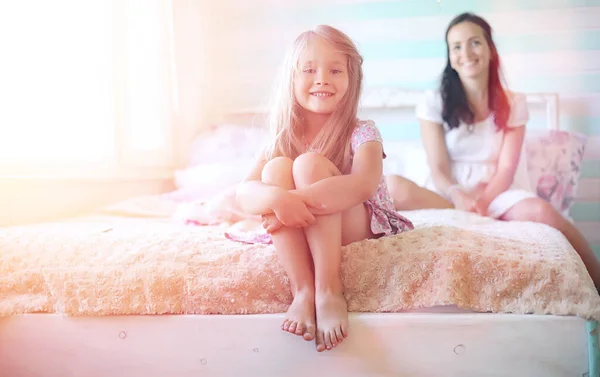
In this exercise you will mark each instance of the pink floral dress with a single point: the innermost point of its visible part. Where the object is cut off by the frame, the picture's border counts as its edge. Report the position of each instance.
(385, 220)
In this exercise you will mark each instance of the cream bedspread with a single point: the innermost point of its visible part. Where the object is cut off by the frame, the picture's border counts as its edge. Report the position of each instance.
(109, 264)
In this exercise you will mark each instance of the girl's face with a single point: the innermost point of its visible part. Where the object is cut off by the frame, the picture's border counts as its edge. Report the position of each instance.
(321, 80)
(468, 50)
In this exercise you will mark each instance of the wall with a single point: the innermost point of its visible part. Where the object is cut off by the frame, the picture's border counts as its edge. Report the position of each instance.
(546, 46)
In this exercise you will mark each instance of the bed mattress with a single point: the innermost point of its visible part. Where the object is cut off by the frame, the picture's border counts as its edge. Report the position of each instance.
(119, 265)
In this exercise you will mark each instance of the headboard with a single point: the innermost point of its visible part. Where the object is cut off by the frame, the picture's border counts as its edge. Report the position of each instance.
(393, 98)
(396, 98)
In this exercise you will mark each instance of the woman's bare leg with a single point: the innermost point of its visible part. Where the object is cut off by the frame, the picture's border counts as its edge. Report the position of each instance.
(409, 196)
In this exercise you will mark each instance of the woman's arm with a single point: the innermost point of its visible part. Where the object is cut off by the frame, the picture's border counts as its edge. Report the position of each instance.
(434, 142)
(508, 160)
(341, 192)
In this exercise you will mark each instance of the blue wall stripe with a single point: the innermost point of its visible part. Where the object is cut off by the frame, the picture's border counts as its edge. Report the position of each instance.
(596, 249)
(590, 169)
(388, 50)
(400, 131)
(566, 83)
(578, 40)
(405, 9)
(586, 125)
(410, 130)
(586, 211)
(589, 126)
(555, 41)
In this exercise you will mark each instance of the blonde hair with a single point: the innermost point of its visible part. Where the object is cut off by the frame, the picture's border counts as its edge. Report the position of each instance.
(333, 141)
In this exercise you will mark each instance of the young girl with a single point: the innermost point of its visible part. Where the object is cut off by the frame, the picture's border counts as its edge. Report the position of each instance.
(473, 131)
(320, 185)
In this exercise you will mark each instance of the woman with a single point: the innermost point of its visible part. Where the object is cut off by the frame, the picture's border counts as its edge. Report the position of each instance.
(472, 131)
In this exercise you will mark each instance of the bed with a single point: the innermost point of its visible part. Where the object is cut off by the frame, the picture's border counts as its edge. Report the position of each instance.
(134, 291)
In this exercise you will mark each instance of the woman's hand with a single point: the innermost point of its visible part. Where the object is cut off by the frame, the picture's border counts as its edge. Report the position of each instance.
(472, 200)
(480, 206)
(481, 203)
(463, 201)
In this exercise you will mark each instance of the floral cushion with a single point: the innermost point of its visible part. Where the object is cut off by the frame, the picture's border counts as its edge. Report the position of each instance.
(554, 166)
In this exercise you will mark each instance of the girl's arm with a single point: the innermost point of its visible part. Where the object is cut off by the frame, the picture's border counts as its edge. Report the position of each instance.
(253, 196)
(342, 192)
(508, 161)
(257, 198)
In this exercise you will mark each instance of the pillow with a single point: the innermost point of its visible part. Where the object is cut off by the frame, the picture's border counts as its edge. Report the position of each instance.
(210, 178)
(220, 157)
(227, 142)
(554, 166)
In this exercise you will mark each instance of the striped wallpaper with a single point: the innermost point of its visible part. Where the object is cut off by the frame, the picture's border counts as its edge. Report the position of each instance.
(546, 46)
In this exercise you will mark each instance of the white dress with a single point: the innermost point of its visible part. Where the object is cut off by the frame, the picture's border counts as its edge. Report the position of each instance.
(474, 151)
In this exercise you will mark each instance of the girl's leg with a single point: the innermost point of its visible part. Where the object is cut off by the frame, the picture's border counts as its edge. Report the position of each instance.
(538, 210)
(325, 238)
(294, 255)
(409, 196)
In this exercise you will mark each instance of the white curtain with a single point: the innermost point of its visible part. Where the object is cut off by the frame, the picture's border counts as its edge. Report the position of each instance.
(86, 86)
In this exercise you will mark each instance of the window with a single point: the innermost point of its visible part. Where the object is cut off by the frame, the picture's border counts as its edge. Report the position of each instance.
(87, 87)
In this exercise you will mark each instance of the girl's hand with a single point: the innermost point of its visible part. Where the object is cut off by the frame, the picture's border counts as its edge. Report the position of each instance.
(313, 205)
(292, 211)
(271, 223)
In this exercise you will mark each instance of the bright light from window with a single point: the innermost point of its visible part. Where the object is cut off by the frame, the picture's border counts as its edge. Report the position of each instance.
(145, 52)
(86, 81)
(57, 85)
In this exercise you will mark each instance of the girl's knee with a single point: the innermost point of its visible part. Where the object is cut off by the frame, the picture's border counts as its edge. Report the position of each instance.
(311, 167)
(278, 171)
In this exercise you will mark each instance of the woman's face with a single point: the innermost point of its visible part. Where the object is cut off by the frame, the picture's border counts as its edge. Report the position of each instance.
(468, 50)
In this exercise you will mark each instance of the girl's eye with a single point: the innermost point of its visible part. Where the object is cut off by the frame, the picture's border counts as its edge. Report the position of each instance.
(336, 71)
(309, 70)
(476, 43)
(456, 47)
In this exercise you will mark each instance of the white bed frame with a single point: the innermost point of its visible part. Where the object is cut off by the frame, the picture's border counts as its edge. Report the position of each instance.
(400, 344)
(433, 342)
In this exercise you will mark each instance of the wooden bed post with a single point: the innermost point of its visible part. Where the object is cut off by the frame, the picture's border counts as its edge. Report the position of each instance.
(593, 350)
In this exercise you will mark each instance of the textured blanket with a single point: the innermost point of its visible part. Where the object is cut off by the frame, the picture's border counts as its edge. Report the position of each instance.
(106, 265)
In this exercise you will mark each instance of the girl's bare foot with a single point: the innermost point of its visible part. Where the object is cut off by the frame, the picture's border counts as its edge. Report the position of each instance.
(300, 317)
(332, 319)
